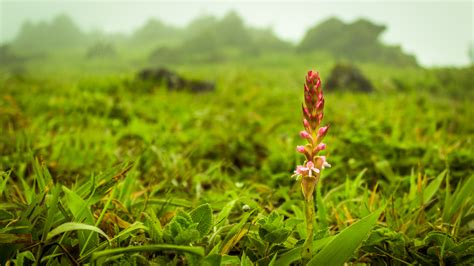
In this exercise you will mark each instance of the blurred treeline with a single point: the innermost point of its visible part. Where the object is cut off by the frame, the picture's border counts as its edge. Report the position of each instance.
(60, 43)
(207, 39)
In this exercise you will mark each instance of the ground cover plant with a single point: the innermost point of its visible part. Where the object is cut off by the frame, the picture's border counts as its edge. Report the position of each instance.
(100, 167)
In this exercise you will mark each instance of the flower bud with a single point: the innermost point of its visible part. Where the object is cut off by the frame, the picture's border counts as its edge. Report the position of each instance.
(306, 123)
(306, 112)
(322, 132)
(321, 146)
(320, 104)
(320, 117)
(300, 149)
(305, 135)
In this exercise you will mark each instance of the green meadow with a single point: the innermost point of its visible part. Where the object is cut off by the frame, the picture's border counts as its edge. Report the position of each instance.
(100, 167)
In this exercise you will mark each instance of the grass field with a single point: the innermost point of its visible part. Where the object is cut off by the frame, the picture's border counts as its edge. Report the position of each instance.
(96, 167)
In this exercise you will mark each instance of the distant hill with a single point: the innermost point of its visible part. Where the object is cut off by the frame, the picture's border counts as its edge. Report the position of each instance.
(357, 41)
(209, 39)
(60, 33)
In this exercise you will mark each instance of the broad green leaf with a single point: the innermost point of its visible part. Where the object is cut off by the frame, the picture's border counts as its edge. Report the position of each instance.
(79, 207)
(343, 246)
(202, 215)
(66, 227)
(81, 211)
(272, 229)
(295, 254)
(181, 230)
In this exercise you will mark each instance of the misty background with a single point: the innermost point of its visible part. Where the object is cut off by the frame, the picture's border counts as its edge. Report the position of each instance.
(437, 33)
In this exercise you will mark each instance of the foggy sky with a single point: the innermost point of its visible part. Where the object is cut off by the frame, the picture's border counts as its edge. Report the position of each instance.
(437, 33)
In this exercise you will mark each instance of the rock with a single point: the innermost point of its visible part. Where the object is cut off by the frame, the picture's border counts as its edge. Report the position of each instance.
(173, 81)
(348, 78)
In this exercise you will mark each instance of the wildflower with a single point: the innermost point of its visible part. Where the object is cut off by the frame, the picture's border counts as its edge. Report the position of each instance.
(313, 113)
(310, 171)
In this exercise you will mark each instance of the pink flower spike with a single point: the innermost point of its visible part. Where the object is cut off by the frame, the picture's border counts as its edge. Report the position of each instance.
(305, 135)
(300, 149)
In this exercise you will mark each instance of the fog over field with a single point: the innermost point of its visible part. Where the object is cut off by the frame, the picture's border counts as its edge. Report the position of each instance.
(439, 33)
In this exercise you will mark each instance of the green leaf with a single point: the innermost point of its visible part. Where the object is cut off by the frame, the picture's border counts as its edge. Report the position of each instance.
(384, 167)
(15, 238)
(433, 187)
(230, 260)
(221, 218)
(295, 254)
(66, 227)
(463, 194)
(322, 212)
(181, 230)
(343, 246)
(154, 227)
(245, 260)
(82, 212)
(20, 259)
(4, 176)
(212, 260)
(135, 226)
(234, 235)
(147, 248)
(43, 177)
(52, 210)
(272, 262)
(202, 215)
(272, 229)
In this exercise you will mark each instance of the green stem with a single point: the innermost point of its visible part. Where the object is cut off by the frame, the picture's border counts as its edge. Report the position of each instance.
(308, 244)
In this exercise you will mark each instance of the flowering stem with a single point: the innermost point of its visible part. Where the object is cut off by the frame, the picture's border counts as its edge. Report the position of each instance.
(310, 171)
(308, 244)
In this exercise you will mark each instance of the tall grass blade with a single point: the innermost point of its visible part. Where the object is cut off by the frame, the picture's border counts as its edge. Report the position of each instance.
(343, 246)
